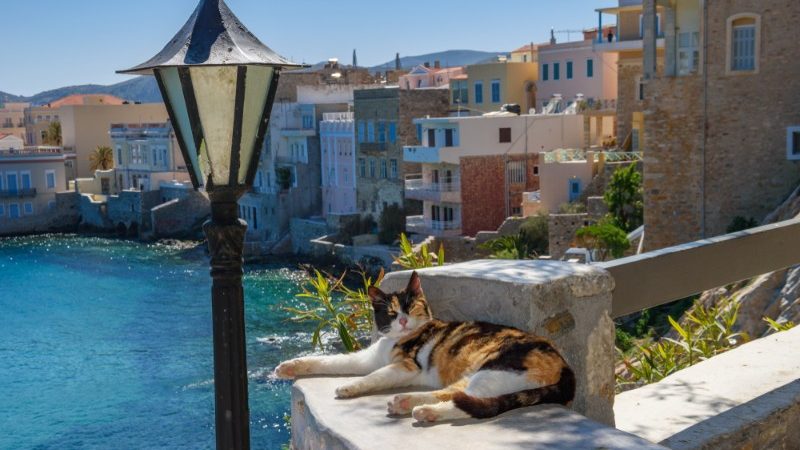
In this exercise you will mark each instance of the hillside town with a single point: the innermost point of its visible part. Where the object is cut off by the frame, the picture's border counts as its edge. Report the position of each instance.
(588, 187)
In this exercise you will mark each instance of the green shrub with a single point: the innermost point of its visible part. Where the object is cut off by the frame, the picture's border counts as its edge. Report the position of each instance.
(531, 240)
(607, 239)
(624, 198)
(411, 260)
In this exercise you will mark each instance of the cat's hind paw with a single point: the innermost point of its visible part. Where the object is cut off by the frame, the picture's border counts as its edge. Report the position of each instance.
(426, 414)
(348, 391)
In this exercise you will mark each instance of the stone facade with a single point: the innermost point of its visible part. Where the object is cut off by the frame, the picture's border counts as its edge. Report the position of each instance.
(561, 231)
(180, 217)
(396, 108)
(717, 141)
(484, 181)
(63, 216)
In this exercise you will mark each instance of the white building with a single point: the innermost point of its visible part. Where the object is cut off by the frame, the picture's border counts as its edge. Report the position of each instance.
(145, 155)
(338, 153)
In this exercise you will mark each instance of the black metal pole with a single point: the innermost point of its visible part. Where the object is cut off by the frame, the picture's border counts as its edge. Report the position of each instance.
(225, 233)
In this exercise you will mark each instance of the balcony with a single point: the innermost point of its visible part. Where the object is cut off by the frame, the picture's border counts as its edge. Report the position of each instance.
(373, 146)
(298, 132)
(625, 46)
(18, 193)
(442, 192)
(420, 154)
(428, 227)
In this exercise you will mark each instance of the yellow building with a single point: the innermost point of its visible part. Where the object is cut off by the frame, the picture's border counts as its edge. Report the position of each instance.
(12, 119)
(29, 181)
(487, 87)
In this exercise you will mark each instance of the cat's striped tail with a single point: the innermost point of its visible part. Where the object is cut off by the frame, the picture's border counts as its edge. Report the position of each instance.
(483, 408)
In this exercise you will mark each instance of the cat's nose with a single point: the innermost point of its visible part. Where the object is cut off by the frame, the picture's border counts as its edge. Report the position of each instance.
(403, 321)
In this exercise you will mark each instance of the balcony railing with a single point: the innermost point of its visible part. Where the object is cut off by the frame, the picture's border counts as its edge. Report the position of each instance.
(453, 185)
(18, 193)
(374, 146)
(441, 225)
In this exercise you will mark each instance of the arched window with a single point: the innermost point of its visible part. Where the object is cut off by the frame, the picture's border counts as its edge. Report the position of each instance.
(744, 42)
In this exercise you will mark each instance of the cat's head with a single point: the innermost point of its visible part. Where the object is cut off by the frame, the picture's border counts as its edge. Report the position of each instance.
(398, 314)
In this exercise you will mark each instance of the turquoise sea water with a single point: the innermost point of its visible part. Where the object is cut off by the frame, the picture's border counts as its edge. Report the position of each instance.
(107, 344)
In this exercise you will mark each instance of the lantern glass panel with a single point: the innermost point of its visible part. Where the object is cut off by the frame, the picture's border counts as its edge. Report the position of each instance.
(257, 86)
(182, 121)
(215, 93)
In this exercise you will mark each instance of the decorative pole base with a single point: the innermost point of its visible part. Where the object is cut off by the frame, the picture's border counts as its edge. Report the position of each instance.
(226, 233)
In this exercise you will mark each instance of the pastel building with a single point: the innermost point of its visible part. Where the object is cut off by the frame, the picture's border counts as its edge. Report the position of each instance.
(12, 119)
(338, 152)
(475, 169)
(146, 155)
(424, 77)
(30, 177)
(486, 87)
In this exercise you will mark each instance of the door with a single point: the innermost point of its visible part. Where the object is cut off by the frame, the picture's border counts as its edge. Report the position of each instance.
(574, 189)
(448, 137)
(431, 138)
(11, 182)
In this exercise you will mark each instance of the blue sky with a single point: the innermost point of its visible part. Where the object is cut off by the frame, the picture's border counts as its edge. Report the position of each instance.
(55, 43)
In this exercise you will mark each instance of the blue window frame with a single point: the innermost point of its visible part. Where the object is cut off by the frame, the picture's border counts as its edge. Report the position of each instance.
(370, 131)
(362, 131)
(495, 91)
(569, 70)
(382, 132)
(575, 189)
(545, 72)
(419, 133)
(589, 68)
(556, 71)
(392, 132)
(479, 92)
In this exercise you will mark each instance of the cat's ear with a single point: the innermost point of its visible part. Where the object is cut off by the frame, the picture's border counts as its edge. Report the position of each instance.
(376, 295)
(414, 288)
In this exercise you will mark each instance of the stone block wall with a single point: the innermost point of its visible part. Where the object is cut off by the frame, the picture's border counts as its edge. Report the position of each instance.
(562, 229)
(566, 303)
(177, 218)
(65, 215)
(304, 231)
(716, 144)
(483, 190)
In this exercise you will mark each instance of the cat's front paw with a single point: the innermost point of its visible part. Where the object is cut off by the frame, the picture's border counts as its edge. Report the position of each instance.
(289, 370)
(348, 391)
(400, 405)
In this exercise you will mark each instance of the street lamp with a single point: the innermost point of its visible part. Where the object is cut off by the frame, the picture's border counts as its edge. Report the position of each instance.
(218, 82)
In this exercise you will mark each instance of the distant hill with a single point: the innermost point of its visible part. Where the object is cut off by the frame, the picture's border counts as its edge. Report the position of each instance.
(447, 58)
(140, 89)
(145, 89)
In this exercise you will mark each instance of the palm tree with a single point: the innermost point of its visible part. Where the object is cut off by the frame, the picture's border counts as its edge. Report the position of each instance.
(101, 159)
(53, 134)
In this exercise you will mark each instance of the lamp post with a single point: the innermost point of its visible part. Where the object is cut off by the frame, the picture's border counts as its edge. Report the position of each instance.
(218, 82)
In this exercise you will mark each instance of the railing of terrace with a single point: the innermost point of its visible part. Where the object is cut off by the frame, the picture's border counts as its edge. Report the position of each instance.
(662, 276)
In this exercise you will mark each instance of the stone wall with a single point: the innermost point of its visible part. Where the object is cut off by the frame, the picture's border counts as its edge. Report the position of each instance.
(64, 216)
(717, 147)
(304, 231)
(628, 72)
(132, 208)
(561, 229)
(180, 217)
(483, 190)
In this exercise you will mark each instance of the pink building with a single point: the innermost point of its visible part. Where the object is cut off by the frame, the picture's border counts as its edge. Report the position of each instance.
(424, 76)
(571, 69)
(337, 150)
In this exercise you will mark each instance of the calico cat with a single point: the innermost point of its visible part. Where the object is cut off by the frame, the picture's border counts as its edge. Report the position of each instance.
(479, 369)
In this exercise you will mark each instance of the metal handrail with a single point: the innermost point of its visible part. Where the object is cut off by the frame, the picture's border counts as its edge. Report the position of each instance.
(662, 276)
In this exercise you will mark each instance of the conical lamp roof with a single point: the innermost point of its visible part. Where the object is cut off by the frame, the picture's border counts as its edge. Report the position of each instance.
(213, 36)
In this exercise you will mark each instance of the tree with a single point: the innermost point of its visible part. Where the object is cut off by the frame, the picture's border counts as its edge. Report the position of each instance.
(606, 238)
(101, 159)
(53, 134)
(531, 241)
(624, 198)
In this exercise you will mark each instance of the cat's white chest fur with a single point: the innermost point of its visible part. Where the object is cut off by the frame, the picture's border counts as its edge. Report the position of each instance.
(429, 376)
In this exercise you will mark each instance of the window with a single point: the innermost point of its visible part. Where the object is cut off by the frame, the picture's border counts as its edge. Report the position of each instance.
(589, 68)
(255, 218)
(479, 92)
(515, 171)
(11, 182)
(362, 167)
(658, 25)
(25, 178)
(384, 169)
(556, 71)
(448, 137)
(419, 133)
(392, 132)
(793, 143)
(382, 132)
(635, 139)
(393, 169)
(50, 179)
(362, 132)
(370, 131)
(308, 122)
(119, 155)
(688, 52)
(505, 135)
(13, 211)
(536, 170)
(28, 208)
(372, 168)
(495, 91)
(460, 90)
(639, 88)
(431, 137)
(569, 70)
(743, 46)
(545, 72)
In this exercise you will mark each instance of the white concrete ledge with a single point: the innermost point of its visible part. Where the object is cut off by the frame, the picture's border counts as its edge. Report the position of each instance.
(319, 421)
(748, 397)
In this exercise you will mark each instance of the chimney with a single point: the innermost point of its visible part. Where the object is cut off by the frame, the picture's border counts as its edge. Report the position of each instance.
(397, 62)
(437, 64)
